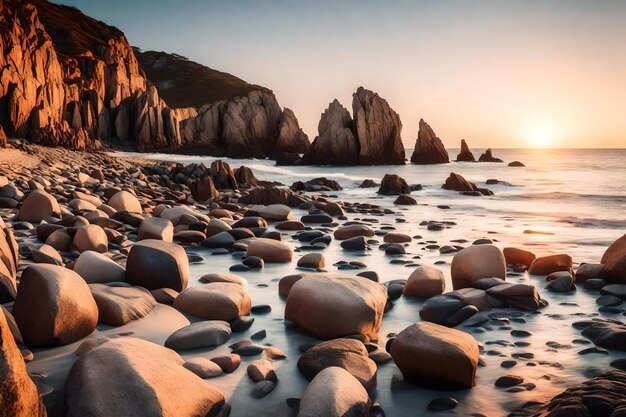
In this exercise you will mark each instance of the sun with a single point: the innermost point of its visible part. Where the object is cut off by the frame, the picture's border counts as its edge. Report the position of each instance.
(541, 137)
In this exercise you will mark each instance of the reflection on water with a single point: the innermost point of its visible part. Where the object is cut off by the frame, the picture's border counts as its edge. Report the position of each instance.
(576, 195)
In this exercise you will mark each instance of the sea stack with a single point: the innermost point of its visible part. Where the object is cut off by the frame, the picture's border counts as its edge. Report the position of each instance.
(428, 147)
(488, 157)
(372, 138)
(465, 155)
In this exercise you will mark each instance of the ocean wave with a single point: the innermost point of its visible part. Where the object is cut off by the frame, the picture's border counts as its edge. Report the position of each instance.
(560, 195)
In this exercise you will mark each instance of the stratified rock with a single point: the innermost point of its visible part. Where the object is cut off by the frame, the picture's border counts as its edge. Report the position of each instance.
(488, 157)
(18, 393)
(8, 264)
(614, 260)
(435, 356)
(378, 129)
(54, 306)
(429, 148)
(334, 392)
(465, 155)
(332, 305)
(393, 184)
(336, 143)
(132, 377)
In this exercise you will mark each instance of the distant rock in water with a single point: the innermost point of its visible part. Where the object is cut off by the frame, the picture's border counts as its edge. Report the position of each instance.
(378, 130)
(393, 184)
(456, 182)
(465, 155)
(516, 164)
(251, 126)
(428, 147)
(372, 138)
(336, 143)
(488, 157)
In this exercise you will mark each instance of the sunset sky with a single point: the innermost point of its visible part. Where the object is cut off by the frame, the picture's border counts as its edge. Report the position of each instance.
(497, 73)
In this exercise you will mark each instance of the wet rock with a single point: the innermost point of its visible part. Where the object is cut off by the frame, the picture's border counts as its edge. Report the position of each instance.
(443, 403)
(548, 264)
(217, 301)
(270, 250)
(46, 254)
(198, 335)
(476, 262)
(54, 306)
(223, 240)
(355, 244)
(446, 310)
(353, 230)
(203, 367)
(508, 380)
(560, 282)
(515, 256)
(429, 148)
(488, 157)
(154, 264)
(95, 267)
(141, 378)
(434, 356)
(520, 296)
(261, 370)
(349, 354)
(608, 334)
(614, 260)
(392, 184)
(125, 201)
(119, 305)
(405, 200)
(228, 363)
(516, 164)
(156, 228)
(465, 155)
(38, 206)
(616, 290)
(425, 281)
(334, 393)
(312, 260)
(589, 271)
(91, 238)
(331, 305)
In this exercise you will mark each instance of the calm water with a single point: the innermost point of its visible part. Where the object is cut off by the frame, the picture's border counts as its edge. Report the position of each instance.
(577, 197)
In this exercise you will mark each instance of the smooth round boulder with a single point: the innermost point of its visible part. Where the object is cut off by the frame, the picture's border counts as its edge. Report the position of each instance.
(349, 354)
(131, 377)
(435, 356)
(333, 305)
(425, 281)
(224, 277)
(476, 262)
(394, 237)
(312, 260)
(353, 230)
(548, 264)
(119, 305)
(203, 367)
(91, 238)
(156, 228)
(54, 306)
(154, 264)
(515, 256)
(334, 393)
(217, 301)
(174, 214)
(614, 260)
(37, 206)
(198, 335)
(274, 212)
(125, 201)
(270, 250)
(96, 268)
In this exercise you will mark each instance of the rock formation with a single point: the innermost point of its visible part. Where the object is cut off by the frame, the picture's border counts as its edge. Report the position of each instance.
(488, 157)
(428, 147)
(465, 155)
(372, 138)
(70, 80)
(250, 126)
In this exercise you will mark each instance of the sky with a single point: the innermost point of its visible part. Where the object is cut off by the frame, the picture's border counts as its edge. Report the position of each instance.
(503, 74)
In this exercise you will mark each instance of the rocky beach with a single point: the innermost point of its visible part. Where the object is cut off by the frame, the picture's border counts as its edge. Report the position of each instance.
(172, 243)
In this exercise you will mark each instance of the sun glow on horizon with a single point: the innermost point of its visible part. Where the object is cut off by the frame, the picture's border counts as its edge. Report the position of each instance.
(541, 136)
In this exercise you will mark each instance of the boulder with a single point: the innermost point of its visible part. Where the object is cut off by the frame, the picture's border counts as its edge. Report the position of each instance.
(522, 296)
(270, 250)
(395, 237)
(216, 301)
(488, 157)
(587, 271)
(332, 305)
(446, 310)
(199, 335)
(46, 254)
(8, 264)
(349, 354)
(353, 230)
(132, 377)
(425, 281)
(606, 333)
(515, 256)
(224, 277)
(548, 264)
(429, 148)
(38, 206)
(614, 260)
(203, 367)
(392, 184)
(91, 238)
(119, 305)
(435, 356)
(476, 262)
(125, 201)
(154, 264)
(516, 164)
(156, 228)
(96, 268)
(312, 260)
(334, 393)
(18, 393)
(465, 155)
(405, 200)
(174, 214)
(54, 306)
(274, 212)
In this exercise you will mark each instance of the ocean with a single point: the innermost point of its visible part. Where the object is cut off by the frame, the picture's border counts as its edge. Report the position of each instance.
(563, 201)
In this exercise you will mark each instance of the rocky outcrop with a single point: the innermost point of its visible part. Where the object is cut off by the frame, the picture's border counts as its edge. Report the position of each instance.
(372, 138)
(291, 138)
(70, 80)
(243, 127)
(456, 182)
(377, 128)
(465, 155)
(488, 157)
(8, 264)
(428, 147)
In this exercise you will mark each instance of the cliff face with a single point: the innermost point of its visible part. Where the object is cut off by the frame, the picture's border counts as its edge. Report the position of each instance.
(67, 79)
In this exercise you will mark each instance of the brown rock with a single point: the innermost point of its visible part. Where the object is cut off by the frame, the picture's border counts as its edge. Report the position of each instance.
(515, 256)
(216, 301)
(156, 264)
(465, 155)
(548, 264)
(392, 184)
(91, 238)
(476, 262)
(614, 260)
(425, 281)
(428, 147)
(37, 206)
